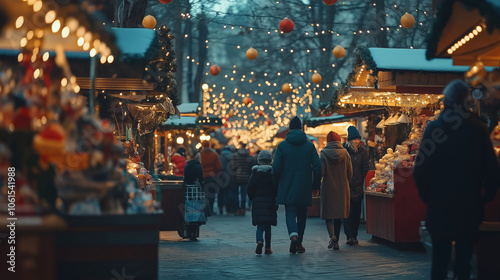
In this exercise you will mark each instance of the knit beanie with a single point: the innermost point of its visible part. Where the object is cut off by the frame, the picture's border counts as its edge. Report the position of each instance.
(352, 133)
(264, 157)
(455, 93)
(181, 151)
(295, 123)
(332, 136)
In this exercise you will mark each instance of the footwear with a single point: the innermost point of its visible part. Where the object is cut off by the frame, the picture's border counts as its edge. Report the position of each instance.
(349, 241)
(293, 245)
(300, 248)
(354, 241)
(268, 251)
(333, 244)
(258, 250)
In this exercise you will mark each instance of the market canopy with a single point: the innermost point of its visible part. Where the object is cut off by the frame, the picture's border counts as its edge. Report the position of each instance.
(466, 31)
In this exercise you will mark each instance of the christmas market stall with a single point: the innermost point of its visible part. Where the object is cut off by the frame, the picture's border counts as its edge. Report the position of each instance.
(468, 32)
(409, 88)
(73, 201)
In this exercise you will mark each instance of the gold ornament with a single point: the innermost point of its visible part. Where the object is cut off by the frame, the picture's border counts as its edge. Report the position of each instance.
(407, 20)
(338, 51)
(286, 87)
(316, 78)
(149, 21)
(252, 53)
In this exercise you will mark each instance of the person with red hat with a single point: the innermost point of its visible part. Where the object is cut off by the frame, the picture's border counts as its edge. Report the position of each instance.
(335, 196)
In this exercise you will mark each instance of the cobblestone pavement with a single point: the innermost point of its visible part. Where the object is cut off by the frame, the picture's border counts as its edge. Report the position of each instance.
(226, 250)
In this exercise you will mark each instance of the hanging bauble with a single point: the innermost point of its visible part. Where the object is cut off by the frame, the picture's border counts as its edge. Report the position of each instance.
(165, 1)
(231, 114)
(260, 113)
(407, 20)
(247, 100)
(214, 70)
(338, 51)
(316, 78)
(225, 125)
(223, 131)
(226, 119)
(252, 53)
(268, 121)
(330, 2)
(286, 25)
(149, 21)
(286, 87)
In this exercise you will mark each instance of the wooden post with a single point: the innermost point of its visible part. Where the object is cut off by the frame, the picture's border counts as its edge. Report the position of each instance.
(166, 150)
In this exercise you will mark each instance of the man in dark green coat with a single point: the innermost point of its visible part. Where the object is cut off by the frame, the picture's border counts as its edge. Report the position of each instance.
(297, 169)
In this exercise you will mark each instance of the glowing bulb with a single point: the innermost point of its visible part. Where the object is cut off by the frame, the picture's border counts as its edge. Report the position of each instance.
(77, 89)
(93, 52)
(19, 22)
(110, 59)
(24, 42)
(37, 6)
(45, 56)
(56, 25)
(86, 46)
(80, 41)
(479, 28)
(36, 74)
(64, 82)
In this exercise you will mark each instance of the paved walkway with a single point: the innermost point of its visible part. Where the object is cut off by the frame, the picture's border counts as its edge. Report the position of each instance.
(226, 250)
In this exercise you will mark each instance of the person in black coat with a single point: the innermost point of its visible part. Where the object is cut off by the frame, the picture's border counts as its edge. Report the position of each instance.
(360, 167)
(455, 173)
(262, 192)
(193, 171)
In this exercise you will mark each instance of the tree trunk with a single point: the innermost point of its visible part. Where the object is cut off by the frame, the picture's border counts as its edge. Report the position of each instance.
(202, 55)
(381, 38)
(130, 13)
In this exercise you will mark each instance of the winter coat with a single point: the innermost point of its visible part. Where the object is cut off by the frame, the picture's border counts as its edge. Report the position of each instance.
(360, 167)
(337, 171)
(242, 164)
(226, 175)
(179, 162)
(193, 171)
(454, 165)
(297, 169)
(262, 193)
(210, 162)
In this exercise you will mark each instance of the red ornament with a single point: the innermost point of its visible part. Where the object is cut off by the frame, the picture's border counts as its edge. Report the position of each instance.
(226, 119)
(286, 25)
(214, 70)
(238, 137)
(260, 112)
(247, 100)
(165, 1)
(225, 125)
(223, 131)
(330, 2)
(268, 121)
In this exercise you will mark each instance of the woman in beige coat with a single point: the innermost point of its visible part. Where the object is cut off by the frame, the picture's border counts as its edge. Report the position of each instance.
(335, 196)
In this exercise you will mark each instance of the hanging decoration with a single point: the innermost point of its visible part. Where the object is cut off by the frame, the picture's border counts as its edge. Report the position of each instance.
(269, 122)
(286, 25)
(286, 87)
(316, 78)
(338, 51)
(149, 21)
(247, 100)
(252, 53)
(330, 2)
(214, 70)
(407, 20)
(165, 1)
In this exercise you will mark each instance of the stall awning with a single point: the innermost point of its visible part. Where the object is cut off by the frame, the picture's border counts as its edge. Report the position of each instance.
(466, 31)
(346, 116)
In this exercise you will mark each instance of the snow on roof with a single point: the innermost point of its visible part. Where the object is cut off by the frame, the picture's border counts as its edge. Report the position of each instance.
(182, 121)
(412, 60)
(188, 107)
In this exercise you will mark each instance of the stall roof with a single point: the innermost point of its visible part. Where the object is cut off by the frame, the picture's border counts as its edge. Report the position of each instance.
(181, 121)
(455, 19)
(186, 108)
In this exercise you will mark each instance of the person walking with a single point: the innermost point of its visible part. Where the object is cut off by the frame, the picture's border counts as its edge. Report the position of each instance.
(179, 161)
(193, 172)
(211, 166)
(242, 164)
(297, 171)
(360, 167)
(225, 198)
(262, 192)
(335, 196)
(456, 173)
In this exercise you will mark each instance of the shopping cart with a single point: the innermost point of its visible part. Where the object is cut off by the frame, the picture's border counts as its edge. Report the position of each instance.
(194, 211)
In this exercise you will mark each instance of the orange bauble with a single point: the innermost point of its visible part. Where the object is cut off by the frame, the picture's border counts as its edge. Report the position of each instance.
(149, 21)
(165, 1)
(286, 25)
(330, 2)
(286, 87)
(252, 53)
(214, 70)
(316, 78)
(407, 20)
(260, 112)
(338, 52)
(247, 100)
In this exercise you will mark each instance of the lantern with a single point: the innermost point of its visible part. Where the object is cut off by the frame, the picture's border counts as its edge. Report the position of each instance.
(252, 53)
(286, 25)
(338, 51)
(330, 2)
(165, 1)
(247, 100)
(286, 87)
(149, 21)
(260, 112)
(407, 20)
(316, 78)
(214, 70)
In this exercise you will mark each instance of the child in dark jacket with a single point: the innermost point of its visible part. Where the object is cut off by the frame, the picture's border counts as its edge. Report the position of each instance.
(262, 192)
